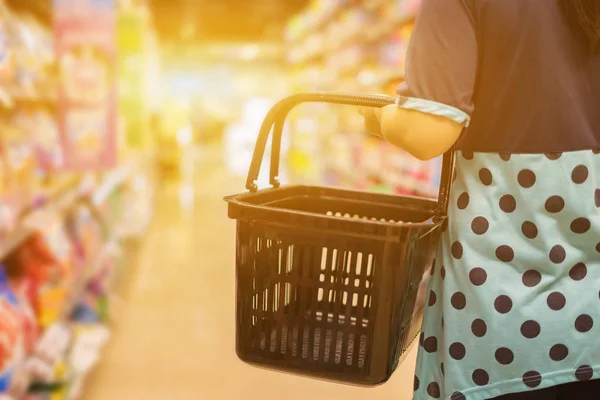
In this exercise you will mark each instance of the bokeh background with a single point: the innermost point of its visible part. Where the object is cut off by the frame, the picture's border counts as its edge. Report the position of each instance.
(123, 125)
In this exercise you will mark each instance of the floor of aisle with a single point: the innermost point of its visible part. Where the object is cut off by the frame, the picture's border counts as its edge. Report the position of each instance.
(174, 337)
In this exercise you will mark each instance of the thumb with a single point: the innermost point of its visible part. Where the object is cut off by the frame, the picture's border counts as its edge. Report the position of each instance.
(366, 111)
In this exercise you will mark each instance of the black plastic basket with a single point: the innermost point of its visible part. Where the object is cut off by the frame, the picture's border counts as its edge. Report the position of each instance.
(326, 278)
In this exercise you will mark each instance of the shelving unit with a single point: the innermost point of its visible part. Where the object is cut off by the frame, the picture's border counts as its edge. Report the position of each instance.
(60, 225)
(356, 46)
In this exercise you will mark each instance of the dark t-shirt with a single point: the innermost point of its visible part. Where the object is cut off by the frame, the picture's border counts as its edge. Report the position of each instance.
(528, 82)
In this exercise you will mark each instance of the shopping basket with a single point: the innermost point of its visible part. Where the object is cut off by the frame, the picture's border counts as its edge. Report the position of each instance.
(327, 278)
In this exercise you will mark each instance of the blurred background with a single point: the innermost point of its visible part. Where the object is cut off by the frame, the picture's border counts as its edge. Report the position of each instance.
(123, 125)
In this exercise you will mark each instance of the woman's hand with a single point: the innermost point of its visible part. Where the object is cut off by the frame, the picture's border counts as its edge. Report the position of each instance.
(372, 120)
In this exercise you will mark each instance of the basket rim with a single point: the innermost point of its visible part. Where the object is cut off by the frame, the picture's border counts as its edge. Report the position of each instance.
(237, 199)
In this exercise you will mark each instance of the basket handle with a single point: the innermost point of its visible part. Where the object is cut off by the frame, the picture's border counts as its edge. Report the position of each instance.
(276, 119)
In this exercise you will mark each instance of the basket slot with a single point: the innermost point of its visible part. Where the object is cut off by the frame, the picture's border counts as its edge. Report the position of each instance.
(303, 295)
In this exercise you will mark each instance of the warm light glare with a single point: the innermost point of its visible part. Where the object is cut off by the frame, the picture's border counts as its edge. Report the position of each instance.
(250, 52)
(184, 136)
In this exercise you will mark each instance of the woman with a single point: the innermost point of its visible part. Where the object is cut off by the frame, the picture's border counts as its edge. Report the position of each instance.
(513, 309)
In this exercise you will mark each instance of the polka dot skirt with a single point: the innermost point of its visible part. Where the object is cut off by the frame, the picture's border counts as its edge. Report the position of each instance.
(514, 302)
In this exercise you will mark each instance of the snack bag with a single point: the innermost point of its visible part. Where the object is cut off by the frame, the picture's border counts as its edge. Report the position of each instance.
(11, 340)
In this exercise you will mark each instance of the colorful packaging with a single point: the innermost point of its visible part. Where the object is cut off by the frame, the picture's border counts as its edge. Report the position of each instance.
(11, 343)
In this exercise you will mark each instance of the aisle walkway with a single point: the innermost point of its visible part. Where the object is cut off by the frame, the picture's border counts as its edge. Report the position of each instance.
(175, 335)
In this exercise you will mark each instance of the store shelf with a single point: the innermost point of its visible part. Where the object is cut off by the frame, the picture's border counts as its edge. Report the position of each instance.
(112, 181)
(14, 240)
(63, 197)
(373, 5)
(87, 273)
(387, 28)
(323, 20)
(356, 36)
(77, 291)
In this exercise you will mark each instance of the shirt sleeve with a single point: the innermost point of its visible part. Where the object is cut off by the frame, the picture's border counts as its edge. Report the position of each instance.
(442, 59)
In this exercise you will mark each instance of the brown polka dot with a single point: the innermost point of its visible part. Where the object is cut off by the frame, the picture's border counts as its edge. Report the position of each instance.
(598, 247)
(532, 379)
(463, 201)
(480, 377)
(559, 352)
(597, 198)
(430, 344)
(457, 250)
(504, 356)
(530, 329)
(480, 225)
(553, 156)
(529, 230)
(584, 373)
(554, 204)
(558, 254)
(508, 204)
(458, 300)
(458, 351)
(479, 328)
(556, 301)
(416, 384)
(432, 298)
(443, 272)
(526, 178)
(584, 323)
(467, 155)
(505, 156)
(485, 176)
(580, 174)
(578, 272)
(532, 278)
(505, 253)
(434, 390)
(503, 304)
(478, 276)
(581, 225)
(458, 396)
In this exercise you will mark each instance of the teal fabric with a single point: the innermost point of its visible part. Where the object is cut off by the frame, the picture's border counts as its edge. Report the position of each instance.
(514, 302)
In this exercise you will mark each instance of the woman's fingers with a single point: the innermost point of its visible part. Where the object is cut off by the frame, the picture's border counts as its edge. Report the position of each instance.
(372, 123)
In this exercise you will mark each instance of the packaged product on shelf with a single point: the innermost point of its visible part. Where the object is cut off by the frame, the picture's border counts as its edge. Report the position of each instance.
(88, 341)
(48, 369)
(19, 155)
(56, 291)
(8, 214)
(86, 231)
(12, 345)
(7, 59)
(51, 348)
(47, 141)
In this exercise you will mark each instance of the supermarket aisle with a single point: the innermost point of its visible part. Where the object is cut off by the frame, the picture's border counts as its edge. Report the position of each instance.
(175, 334)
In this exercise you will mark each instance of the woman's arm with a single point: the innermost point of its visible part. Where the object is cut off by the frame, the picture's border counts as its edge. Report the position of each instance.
(425, 136)
(441, 69)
